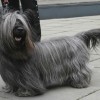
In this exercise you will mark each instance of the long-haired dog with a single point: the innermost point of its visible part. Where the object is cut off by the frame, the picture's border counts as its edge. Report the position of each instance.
(29, 68)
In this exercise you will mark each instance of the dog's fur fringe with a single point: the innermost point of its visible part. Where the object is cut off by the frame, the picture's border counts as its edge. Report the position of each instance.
(30, 68)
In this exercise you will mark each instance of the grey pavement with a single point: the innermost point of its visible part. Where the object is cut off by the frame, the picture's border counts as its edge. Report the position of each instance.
(42, 2)
(68, 27)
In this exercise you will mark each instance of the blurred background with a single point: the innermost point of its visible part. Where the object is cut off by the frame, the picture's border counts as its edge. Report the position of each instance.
(68, 8)
(51, 9)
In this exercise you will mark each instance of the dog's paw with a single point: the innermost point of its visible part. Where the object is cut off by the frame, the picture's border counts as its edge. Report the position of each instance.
(25, 93)
(7, 89)
(80, 85)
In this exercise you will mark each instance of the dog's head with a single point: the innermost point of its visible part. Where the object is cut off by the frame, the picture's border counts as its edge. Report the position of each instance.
(16, 32)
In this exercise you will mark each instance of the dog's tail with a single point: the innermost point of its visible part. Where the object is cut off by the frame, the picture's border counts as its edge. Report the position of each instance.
(91, 38)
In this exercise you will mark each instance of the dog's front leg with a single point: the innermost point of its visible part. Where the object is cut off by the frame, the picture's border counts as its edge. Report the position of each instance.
(25, 93)
(9, 89)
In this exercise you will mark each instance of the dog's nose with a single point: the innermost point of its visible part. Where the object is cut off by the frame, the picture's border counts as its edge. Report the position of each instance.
(19, 33)
(19, 30)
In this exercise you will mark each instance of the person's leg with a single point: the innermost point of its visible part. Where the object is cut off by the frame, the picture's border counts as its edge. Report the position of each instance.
(32, 4)
(13, 4)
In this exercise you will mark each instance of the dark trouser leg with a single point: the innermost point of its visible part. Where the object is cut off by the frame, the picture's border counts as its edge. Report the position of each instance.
(13, 4)
(32, 4)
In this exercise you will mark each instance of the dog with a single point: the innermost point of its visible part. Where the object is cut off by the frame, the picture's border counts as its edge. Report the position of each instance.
(30, 68)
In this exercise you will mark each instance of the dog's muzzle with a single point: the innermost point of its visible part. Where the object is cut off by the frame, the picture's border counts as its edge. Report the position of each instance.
(19, 34)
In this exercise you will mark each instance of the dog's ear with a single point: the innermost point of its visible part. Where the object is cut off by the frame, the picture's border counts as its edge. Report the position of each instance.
(30, 15)
(32, 19)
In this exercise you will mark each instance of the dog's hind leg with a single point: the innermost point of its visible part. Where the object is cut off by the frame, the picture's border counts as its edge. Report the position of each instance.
(80, 78)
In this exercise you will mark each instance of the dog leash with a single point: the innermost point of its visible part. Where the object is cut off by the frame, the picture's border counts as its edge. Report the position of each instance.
(6, 9)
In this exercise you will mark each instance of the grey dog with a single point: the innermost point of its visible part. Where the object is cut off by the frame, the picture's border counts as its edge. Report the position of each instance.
(29, 68)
